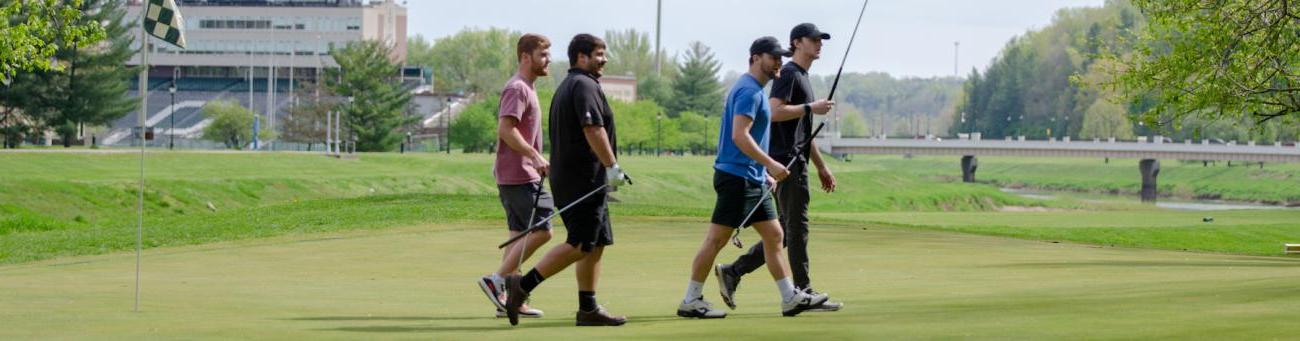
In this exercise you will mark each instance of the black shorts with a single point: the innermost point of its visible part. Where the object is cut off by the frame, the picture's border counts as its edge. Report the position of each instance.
(518, 202)
(736, 198)
(587, 221)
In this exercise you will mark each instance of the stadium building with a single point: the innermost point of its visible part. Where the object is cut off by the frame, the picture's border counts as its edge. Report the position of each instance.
(255, 52)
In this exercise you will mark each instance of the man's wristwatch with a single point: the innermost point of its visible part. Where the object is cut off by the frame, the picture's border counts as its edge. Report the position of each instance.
(807, 109)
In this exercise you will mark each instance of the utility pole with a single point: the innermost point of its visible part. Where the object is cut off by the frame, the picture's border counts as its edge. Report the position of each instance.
(171, 114)
(659, 139)
(956, 50)
(659, 20)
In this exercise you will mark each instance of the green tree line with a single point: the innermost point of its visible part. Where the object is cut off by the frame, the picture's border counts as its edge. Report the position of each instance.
(1142, 68)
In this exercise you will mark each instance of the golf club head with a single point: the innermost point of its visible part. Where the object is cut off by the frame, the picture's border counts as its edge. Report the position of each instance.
(735, 240)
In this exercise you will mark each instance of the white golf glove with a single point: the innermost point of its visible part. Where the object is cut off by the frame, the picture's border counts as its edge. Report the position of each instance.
(615, 177)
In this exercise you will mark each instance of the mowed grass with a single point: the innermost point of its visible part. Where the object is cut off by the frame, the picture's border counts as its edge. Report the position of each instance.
(1273, 183)
(57, 205)
(417, 282)
(63, 204)
(1236, 232)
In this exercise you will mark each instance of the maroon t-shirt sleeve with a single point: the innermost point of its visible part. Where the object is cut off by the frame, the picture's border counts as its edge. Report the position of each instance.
(514, 101)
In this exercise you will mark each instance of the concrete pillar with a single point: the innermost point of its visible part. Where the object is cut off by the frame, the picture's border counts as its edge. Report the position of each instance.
(1150, 169)
(968, 165)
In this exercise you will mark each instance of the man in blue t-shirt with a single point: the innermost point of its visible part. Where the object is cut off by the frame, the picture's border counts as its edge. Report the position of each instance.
(743, 172)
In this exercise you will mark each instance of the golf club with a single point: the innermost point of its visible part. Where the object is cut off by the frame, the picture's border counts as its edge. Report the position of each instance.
(532, 214)
(735, 237)
(836, 83)
(557, 213)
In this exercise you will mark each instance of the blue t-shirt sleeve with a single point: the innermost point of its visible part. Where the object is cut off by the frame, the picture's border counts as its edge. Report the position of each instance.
(747, 103)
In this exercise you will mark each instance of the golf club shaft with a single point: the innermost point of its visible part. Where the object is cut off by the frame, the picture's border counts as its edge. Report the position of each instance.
(532, 214)
(552, 216)
(836, 83)
(798, 150)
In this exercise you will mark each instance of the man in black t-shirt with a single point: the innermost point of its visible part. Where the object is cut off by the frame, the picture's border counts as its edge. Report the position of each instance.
(582, 143)
(793, 105)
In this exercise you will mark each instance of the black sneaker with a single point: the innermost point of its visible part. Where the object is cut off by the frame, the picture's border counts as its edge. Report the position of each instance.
(515, 297)
(727, 283)
(825, 306)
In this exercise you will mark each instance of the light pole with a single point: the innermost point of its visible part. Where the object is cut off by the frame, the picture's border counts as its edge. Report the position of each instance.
(171, 133)
(406, 142)
(353, 134)
(446, 125)
(956, 50)
(659, 140)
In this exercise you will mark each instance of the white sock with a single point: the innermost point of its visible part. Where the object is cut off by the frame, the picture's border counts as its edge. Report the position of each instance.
(786, 286)
(694, 291)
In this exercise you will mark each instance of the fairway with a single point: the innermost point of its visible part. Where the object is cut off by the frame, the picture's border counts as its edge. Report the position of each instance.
(298, 246)
(417, 282)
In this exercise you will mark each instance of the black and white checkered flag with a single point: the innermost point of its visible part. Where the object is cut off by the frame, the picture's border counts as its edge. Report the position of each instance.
(163, 20)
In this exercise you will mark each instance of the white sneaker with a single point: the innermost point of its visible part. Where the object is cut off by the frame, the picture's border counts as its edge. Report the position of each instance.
(800, 302)
(827, 306)
(493, 292)
(699, 308)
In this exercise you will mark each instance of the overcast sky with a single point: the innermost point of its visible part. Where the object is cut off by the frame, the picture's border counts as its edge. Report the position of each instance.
(903, 38)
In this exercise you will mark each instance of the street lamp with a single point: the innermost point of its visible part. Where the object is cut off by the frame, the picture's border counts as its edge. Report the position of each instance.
(659, 140)
(351, 133)
(446, 125)
(171, 139)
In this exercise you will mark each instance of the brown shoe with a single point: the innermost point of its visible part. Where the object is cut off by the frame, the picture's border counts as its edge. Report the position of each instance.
(515, 297)
(600, 317)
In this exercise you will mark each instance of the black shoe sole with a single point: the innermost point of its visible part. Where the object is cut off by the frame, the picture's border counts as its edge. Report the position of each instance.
(800, 309)
(729, 300)
(514, 299)
(598, 324)
(698, 315)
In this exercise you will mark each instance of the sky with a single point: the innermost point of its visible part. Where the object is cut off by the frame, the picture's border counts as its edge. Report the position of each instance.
(903, 38)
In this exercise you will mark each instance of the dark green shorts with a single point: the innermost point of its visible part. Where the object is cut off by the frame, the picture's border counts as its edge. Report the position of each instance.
(736, 198)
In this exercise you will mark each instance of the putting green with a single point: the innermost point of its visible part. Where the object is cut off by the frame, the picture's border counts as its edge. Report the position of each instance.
(418, 282)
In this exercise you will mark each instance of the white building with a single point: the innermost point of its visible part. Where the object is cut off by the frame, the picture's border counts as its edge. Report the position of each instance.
(226, 37)
(254, 52)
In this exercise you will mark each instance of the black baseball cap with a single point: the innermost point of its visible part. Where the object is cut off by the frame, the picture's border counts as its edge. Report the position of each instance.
(768, 45)
(808, 30)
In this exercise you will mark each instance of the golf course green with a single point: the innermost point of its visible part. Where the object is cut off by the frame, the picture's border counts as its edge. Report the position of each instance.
(300, 246)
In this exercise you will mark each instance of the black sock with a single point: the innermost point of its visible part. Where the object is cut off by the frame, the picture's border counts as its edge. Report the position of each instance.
(531, 280)
(587, 300)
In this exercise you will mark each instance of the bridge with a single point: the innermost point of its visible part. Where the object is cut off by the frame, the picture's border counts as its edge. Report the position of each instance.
(1148, 152)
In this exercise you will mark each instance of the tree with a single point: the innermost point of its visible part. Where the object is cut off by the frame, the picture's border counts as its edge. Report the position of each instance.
(1106, 120)
(378, 105)
(1032, 87)
(630, 52)
(475, 129)
(1215, 59)
(473, 60)
(33, 30)
(699, 133)
(306, 123)
(92, 88)
(697, 88)
(232, 124)
(851, 123)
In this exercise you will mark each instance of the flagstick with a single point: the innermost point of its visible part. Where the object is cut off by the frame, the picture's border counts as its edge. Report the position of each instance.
(144, 111)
